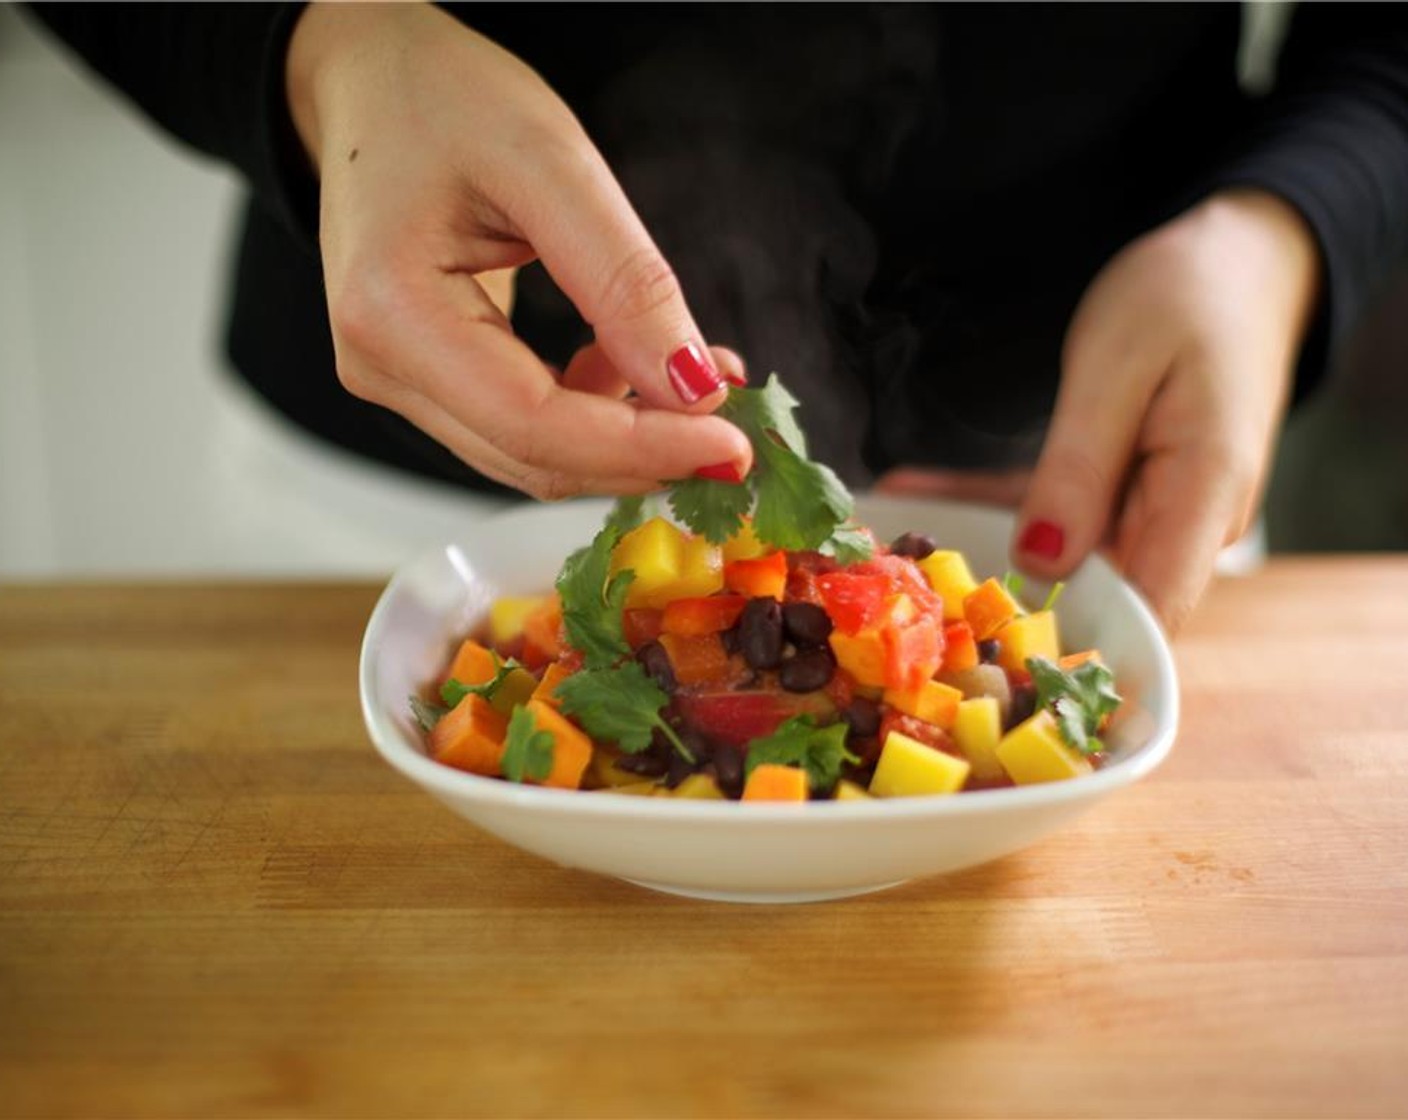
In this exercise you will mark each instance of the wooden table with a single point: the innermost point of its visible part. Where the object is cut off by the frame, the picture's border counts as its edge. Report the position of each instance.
(215, 899)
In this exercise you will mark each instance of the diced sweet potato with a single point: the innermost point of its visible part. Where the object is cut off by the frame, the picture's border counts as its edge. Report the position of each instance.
(470, 737)
(769, 782)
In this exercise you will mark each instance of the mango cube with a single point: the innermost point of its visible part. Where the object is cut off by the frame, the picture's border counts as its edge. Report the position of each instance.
(862, 655)
(909, 768)
(506, 616)
(948, 574)
(668, 564)
(977, 729)
(515, 690)
(744, 545)
(1028, 635)
(849, 791)
(933, 702)
(1034, 751)
(699, 787)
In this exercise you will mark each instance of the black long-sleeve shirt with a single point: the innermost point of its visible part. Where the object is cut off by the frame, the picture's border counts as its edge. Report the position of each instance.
(897, 207)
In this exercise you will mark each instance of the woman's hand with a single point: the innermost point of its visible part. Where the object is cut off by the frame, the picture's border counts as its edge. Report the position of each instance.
(1175, 376)
(443, 158)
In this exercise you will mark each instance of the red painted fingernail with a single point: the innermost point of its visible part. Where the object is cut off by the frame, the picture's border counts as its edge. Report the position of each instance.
(736, 379)
(692, 374)
(720, 472)
(1044, 539)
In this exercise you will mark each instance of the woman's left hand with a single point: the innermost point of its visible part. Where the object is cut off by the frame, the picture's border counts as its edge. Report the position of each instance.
(1175, 376)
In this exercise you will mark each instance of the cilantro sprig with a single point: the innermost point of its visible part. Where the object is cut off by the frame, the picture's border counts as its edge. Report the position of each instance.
(453, 691)
(819, 751)
(593, 599)
(620, 705)
(528, 751)
(796, 503)
(1079, 698)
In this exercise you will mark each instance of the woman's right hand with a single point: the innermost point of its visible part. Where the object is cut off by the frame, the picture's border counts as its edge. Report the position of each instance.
(443, 158)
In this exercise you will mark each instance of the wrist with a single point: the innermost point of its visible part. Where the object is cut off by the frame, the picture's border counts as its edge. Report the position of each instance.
(323, 34)
(1265, 229)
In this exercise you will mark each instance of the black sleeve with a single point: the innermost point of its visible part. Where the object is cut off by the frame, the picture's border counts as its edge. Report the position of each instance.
(211, 74)
(1333, 141)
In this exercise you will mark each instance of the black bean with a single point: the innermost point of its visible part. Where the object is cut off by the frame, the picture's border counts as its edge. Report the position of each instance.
(988, 650)
(728, 770)
(914, 545)
(808, 670)
(760, 633)
(1023, 704)
(806, 623)
(729, 638)
(656, 663)
(679, 769)
(863, 716)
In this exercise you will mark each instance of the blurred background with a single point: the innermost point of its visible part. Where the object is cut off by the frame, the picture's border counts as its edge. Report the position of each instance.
(125, 449)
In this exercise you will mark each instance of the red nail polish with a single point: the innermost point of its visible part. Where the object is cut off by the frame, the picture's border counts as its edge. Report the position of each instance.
(720, 472)
(1044, 539)
(692, 374)
(736, 379)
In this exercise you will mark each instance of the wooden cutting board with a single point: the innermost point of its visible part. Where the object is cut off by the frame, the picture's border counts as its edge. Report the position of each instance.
(215, 899)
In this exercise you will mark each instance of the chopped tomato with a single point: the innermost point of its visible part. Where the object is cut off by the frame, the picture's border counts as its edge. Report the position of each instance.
(904, 577)
(841, 689)
(707, 615)
(960, 648)
(913, 653)
(854, 601)
(801, 587)
(927, 733)
(734, 718)
(640, 625)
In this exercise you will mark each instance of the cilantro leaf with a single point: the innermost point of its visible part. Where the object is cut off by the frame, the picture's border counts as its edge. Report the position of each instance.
(711, 508)
(627, 513)
(819, 751)
(453, 691)
(849, 544)
(620, 705)
(592, 601)
(426, 713)
(528, 751)
(1079, 699)
(1013, 582)
(800, 503)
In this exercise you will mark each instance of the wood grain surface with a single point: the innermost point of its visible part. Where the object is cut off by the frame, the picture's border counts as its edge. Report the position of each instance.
(216, 900)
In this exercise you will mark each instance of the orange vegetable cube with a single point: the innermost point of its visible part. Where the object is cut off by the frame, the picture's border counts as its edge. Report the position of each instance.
(770, 782)
(933, 702)
(553, 676)
(542, 633)
(470, 737)
(571, 747)
(1073, 660)
(758, 578)
(708, 615)
(697, 660)
(960, 648)
(989, 608)
(472, 664)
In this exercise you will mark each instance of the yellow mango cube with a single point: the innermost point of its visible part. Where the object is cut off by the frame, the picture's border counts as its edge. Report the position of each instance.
(607, 774)
(506, 616)
(933, 702)
(909, 768)
(862, 655)
(952, 580)
(668, 564)
(744, 545)
(849, 791)
(699, 787)
(977, 729)
(515, 690)
(1028, 635)
(1034, 751)
(636, 789)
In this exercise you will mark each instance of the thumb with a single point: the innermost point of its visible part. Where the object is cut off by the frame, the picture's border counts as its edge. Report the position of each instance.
(1083, 464)
(598, 252)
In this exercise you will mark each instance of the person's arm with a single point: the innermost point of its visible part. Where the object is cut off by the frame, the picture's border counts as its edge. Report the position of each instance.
(1332, 140)
(210, 74)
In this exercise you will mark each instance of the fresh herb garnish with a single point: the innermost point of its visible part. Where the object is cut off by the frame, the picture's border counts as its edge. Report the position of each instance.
(1080, 699)
(849, 544)
(1053, 595)
(453, 691)
(593, 599)
(527, 750)
(620, 705)
(627, 513)
(819, 751)
(797, 504)
(1013, 582)
(426, 713)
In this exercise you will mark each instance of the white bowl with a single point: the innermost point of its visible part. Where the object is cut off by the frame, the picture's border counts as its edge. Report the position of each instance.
(751, 852)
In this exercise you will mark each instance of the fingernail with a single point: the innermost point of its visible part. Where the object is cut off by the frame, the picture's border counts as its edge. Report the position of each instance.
(692, 374)
(734, 378)
(721, 472)
(1044, 539)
